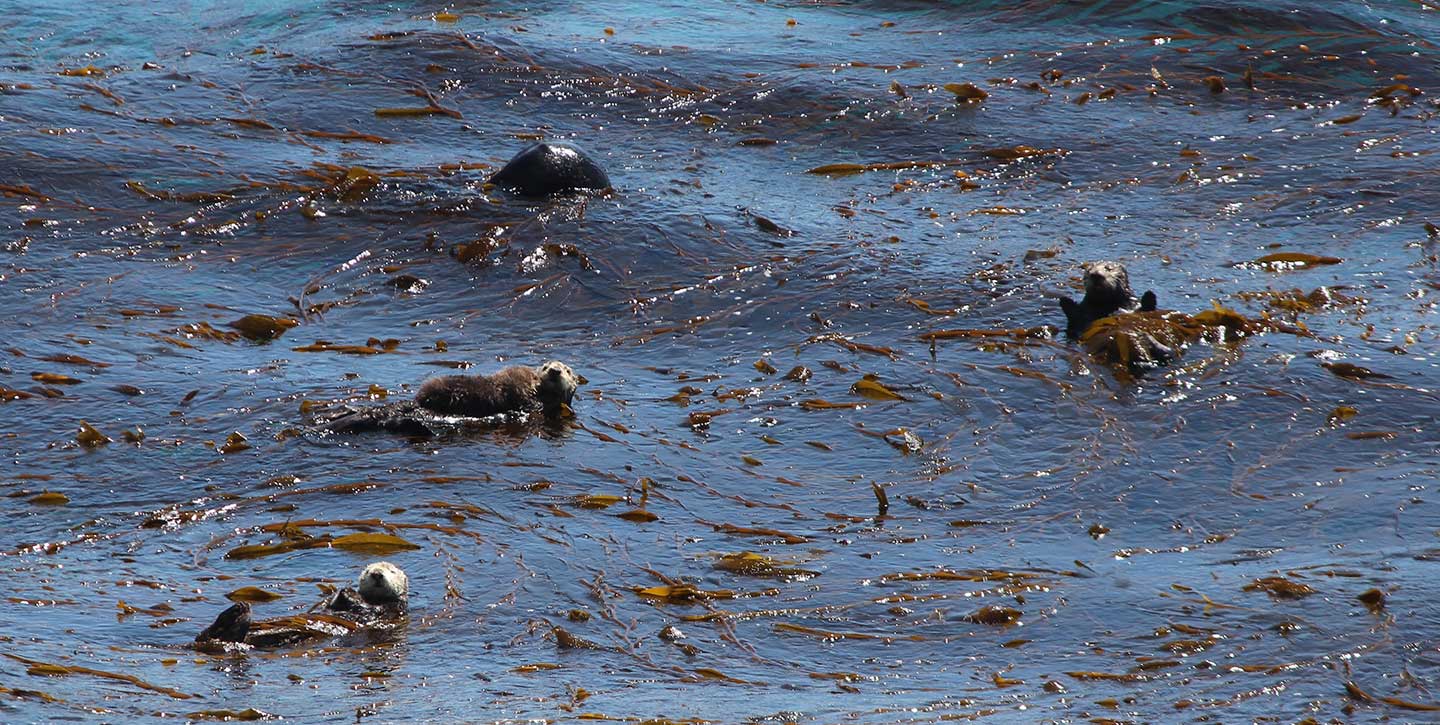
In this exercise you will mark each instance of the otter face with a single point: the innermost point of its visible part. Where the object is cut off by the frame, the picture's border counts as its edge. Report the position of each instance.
(1107, 280)
(557, 385)
(383, 583)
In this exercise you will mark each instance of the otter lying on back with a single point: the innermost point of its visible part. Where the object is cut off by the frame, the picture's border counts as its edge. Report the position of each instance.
(1107, 292)
(516, 390)
(381, 595)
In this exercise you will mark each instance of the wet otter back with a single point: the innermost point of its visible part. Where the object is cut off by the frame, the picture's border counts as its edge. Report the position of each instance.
(478, 396)
(231, 626)
(404, 417)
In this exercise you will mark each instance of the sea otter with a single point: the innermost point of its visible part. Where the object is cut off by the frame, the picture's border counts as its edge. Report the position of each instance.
(1107, 292)
(547, 169)
(379, 598)
(514, 391)
(382, 590)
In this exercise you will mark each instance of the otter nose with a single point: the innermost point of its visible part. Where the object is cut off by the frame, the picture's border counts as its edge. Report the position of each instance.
(377, 576)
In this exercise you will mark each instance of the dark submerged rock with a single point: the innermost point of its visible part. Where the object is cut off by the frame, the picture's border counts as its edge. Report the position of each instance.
(547, 169)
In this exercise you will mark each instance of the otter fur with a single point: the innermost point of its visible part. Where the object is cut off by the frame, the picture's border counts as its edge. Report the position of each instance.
(516, 389)
(382, 590)
(547, 169)
(381, 594)
(231, 626)
(1107, 292)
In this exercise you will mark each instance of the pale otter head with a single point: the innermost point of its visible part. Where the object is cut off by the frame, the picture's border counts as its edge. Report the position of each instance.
(557, 385)
(383, 583)
(1107, 281)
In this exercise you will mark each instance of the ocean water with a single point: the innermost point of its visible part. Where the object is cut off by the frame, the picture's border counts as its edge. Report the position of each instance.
(1246, 534)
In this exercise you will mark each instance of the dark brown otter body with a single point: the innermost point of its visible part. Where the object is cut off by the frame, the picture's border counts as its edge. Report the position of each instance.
(515, 389)
(231, 626)
(481, 396)
(1107, 292)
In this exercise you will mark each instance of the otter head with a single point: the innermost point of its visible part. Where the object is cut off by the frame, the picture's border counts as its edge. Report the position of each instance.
(1107, 282)
(557, 386)
(383, 583)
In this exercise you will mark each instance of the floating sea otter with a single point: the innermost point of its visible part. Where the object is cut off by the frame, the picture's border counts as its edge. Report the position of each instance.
(516, 391)
(377, 602)
(1107, 292)
(547, 169)
(1132, 335)
(547, 388)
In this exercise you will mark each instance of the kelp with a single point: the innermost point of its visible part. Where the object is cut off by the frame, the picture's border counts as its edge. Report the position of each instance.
(372, 346)
(262, 328)
(252, 594)
(749, 563)
(1354, 690)
(849, 169)
(74, 360)
(54, 379)
(967, 92)
(781, 536)
(50, 498)
(1350, 371)
(1138, 340)
(249, 714)
(46, 669)
(1291, 260)
(234, 443)
(565, 640)
(1019, 333)
(995, 615)
(682, 593)
(196, 197)
(372, 543)
(89, 437)
(834, 636)
(1279, 587)
(870, 387)
(8, 394)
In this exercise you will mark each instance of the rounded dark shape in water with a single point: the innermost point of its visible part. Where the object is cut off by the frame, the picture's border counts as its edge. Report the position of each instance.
(516, 390)
(547, 169)
(231, 626)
